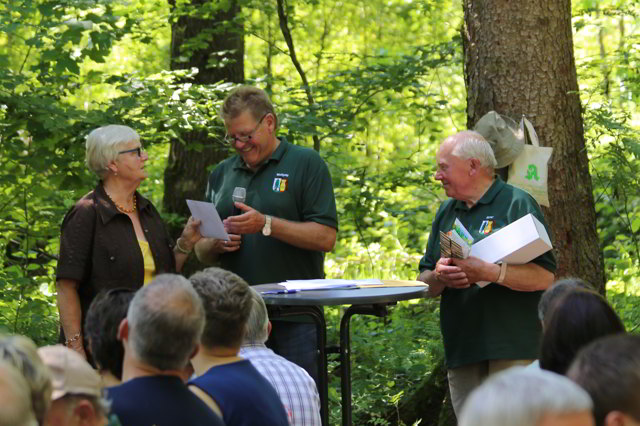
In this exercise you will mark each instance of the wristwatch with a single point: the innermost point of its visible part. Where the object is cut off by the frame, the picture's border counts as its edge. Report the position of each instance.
(266, 230)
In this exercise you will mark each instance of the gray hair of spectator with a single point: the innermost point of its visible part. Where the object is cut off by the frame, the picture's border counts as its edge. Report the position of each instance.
(609, 370)
(471, 144)
(166, 319)
(16, 408)
(522, 396)
(103, 144)
(227, 304)
(258, 322)
(558, 289)
(101, 405)
(22, 353)
(247, 98)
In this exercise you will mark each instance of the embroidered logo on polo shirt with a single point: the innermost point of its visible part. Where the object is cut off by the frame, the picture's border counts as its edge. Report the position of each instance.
(486, 227)
(280, 183)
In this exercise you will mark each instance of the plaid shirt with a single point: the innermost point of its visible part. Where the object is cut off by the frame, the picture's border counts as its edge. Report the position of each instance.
(296, 388)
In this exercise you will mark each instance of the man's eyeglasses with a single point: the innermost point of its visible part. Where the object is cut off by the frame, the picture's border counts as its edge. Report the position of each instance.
(137, 150)
(244, 139)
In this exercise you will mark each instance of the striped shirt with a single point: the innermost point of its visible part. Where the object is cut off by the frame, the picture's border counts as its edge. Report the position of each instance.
(296, 388)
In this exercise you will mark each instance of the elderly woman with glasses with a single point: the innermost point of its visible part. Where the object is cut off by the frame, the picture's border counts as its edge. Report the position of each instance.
(113, 236)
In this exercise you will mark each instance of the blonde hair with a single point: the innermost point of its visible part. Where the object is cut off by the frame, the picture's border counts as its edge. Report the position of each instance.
(22, 353)
(16, 408)
(103, 144)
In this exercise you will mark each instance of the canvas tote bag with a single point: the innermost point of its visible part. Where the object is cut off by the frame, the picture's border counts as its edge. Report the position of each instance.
(529, 170)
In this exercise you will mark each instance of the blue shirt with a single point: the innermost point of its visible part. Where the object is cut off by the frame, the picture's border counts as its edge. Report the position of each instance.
(159, 401)
(244, 396)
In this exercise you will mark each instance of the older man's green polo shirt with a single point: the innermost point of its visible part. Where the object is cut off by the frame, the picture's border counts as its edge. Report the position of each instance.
(493, 322)
(293, 184)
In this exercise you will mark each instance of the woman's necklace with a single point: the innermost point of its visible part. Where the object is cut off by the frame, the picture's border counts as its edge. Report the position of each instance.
(122, 208)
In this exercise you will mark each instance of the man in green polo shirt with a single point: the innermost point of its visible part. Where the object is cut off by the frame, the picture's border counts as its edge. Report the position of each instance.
(288, 219)
(485, 329)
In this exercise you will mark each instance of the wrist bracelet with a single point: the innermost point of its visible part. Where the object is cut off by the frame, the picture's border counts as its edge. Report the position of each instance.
(180, 249)
(73, 338)
(503, 272)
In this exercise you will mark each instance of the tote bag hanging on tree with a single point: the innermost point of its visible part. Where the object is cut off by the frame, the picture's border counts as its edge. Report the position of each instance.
(529, 170)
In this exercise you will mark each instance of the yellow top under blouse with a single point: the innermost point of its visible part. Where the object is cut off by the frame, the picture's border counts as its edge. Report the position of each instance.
(149, 264)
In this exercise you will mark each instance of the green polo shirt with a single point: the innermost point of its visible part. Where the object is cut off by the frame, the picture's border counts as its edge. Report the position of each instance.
(493, 322)
(293, 184)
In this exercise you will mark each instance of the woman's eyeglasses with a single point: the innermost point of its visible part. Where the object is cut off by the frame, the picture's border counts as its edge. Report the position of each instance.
(137, 150)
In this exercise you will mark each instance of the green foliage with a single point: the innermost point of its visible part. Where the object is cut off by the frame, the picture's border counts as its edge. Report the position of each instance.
(383, 99)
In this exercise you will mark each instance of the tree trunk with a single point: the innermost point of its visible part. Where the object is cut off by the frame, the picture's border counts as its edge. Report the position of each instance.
(518, 59)
(186, 173)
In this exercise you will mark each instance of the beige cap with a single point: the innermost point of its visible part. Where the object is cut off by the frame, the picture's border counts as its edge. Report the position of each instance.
(70, 372)
(504, 135)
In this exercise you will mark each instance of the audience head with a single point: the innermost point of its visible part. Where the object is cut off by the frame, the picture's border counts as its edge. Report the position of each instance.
(247, 98)
(227, 303)
(573, 321)
(164, 323)
(103, 144)
(77, 389)
(101, 324)
(16, 408)
(527, 397)
(257, 330)
(559, 289)
(609, 370)
(22, 353)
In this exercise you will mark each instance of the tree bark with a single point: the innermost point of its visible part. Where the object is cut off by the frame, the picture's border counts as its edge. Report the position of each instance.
(518, 59)
(186, 173)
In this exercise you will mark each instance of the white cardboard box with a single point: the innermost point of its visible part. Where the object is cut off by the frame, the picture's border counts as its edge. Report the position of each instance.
(517, 243)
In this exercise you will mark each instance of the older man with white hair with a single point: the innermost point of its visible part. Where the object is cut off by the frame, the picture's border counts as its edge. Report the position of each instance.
(294, 386)
(488, 329)
(527, 397)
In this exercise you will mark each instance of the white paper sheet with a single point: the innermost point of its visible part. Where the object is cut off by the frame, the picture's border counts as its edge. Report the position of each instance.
(327, 284)
(211, 226)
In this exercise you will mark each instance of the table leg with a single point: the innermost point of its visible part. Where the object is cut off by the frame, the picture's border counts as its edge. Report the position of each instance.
(345, 353)
(317, 315)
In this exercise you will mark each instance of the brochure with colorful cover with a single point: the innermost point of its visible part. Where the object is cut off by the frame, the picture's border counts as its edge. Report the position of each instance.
(457, 242)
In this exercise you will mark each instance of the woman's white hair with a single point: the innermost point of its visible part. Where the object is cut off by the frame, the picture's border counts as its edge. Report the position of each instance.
(103, 145)
(523, 396)
(471, 144)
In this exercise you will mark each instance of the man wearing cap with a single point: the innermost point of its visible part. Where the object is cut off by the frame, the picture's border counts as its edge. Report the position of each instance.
(160, 335)
(485, 329)
(77, 389)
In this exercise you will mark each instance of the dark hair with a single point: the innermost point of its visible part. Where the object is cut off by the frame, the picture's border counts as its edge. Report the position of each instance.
(558, 289)
(227, 304)
(573, 321)
(105, 314)
(609, 370)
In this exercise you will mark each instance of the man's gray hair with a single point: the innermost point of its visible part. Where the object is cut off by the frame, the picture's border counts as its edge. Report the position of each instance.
(15, 398)
(471, 144)
(103, 144)
(258, 322)
(523, 396)
(166, 319)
